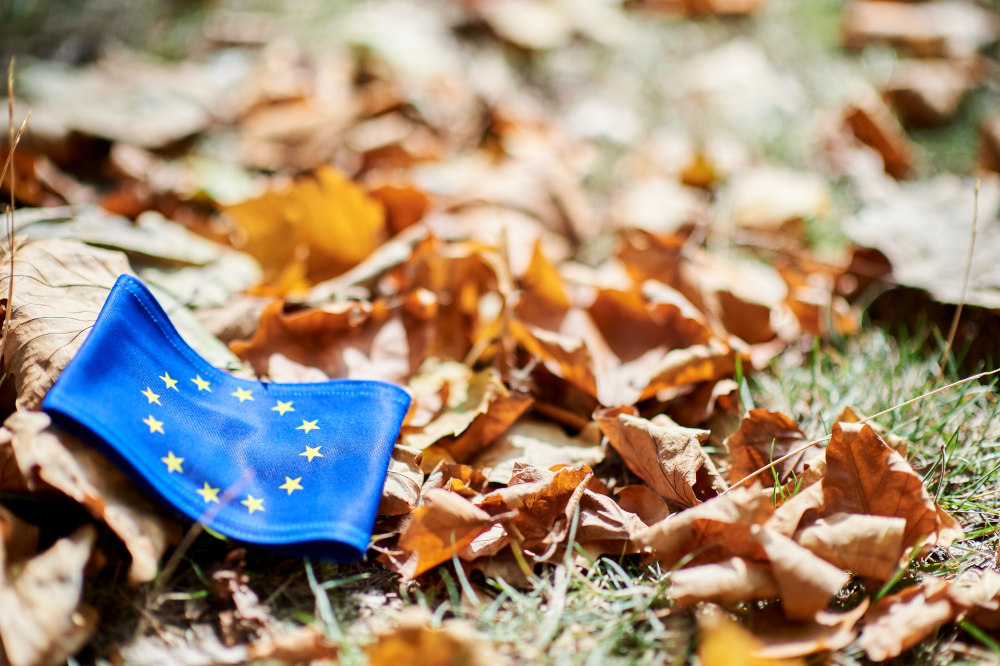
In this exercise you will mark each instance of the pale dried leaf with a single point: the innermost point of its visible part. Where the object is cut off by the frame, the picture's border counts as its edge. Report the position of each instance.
(665, 455)
(48, 455)
(401, 491)
(59, 288)
(827, 631)
(42, 620)
(807, 582)
(726, 582)
(717, 529)
(723, 642)
(541, 444)
(902, 620)
(869, 546)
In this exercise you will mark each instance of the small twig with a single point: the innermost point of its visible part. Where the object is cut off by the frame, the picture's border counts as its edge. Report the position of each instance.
(965, 284)
(813, 443)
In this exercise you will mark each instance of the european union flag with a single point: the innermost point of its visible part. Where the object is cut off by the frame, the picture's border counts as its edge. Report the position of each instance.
(294, 467)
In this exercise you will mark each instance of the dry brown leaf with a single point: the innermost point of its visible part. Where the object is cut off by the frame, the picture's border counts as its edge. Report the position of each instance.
(415, 642)
(864, 475)
(42, 620)
(726, 582)
(925, 29)
(401, 491)
(781, 639)
(643, 502)
(59, 288)
(902, 620)
(873, 123)
(310, 230)
(352, 339)
(723, 642)
(544, 501)
(716, 529)
(765, 436)
(927, 93)
(789, 514)
(438, 529)
(868, 546)
(478, 409)
(18, 539)
(665, 455)
(47, 455)
(541, 444)
(305, 644)
(979, 591)
(806, 582)
(606, 527)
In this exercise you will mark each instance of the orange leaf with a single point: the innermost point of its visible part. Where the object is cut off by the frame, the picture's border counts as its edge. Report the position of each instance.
(764, 436)
(322, 223)
(440, 527)
(864, 475)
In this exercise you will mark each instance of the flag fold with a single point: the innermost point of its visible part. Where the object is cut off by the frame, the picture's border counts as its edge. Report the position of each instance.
(294, 467)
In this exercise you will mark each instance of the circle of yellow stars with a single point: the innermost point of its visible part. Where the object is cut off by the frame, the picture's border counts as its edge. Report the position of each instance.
(208, 493)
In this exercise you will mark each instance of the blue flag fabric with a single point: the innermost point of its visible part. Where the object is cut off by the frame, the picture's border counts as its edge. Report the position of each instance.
(298, 468)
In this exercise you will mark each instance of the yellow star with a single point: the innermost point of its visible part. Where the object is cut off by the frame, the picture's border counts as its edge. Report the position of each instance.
(171, 383)
(242, 394)
(283, 407)
(202, 384)
(291, 485)
(173, 462)
(154, 425)
(253, 503)
(308, 425)
(312, 452)
(208, 493)
(151, 396)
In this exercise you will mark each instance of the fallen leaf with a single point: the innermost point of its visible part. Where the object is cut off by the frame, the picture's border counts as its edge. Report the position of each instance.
(59, 288)
(437, 530)
(305, 644)
(806, 582)
(42, 620)
(415, 641)
(716, 529)
(900, 621)
(927, 29)
(769, 199)
(922, 227)
(865, 476)
(643, 502)
(313, 229)
(543, 501)
(874, 124)
(828, 631)
(726, 582)
(18, 539)
(401, 491)
(723, 642)
(927, 93)
(979, 591)
(540, 444)
(665, 455)
(790, 513)
(765, 436)
(868, 546)
(479, 408)
(47, 455)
